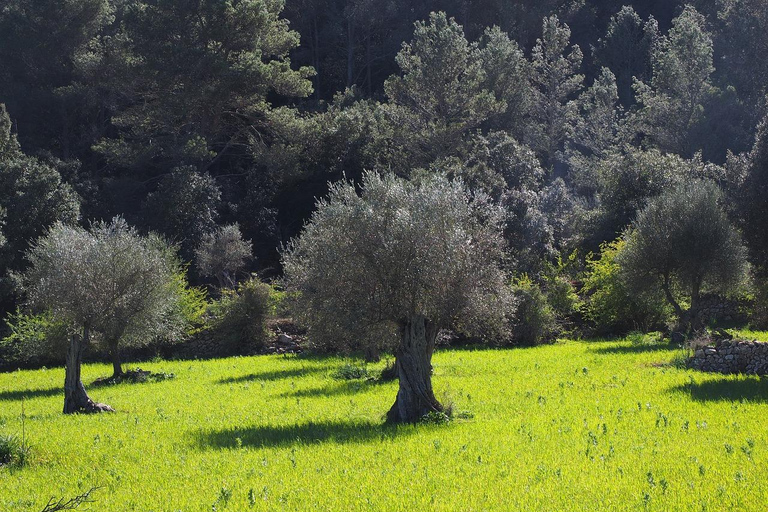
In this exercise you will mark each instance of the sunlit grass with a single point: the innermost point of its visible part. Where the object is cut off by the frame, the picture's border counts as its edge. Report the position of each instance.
(573, 426)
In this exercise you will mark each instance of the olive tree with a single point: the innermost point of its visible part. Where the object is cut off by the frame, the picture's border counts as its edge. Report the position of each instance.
(682, 241)
(109, 281)
(415, 257)
(222, 254)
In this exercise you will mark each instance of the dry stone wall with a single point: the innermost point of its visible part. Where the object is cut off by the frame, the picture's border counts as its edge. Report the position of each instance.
(732, 356)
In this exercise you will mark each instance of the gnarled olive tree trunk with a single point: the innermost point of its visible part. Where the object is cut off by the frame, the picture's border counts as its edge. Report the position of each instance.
(117, 366)
(413, 361)
(75, 397)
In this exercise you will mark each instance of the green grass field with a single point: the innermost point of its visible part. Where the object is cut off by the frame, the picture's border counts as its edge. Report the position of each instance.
(573, 426)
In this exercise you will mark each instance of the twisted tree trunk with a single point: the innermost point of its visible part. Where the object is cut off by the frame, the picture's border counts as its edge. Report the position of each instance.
(117, 366)
(76, 399)
(413, 362)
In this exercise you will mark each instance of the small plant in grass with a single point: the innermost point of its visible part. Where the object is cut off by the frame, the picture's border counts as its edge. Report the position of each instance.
(13, 451)
(435, 418)
(352, 372)
(639, 339)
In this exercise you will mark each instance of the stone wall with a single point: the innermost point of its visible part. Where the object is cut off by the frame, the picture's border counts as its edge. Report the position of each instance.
(732, 356)
(720, 309)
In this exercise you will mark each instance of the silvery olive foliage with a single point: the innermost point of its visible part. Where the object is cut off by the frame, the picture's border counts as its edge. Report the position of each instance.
(108, 279)
(222, 254)
(683, 241)
(366, 263)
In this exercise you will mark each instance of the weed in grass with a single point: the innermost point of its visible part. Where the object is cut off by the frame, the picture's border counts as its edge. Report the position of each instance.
(11, 450)
(435, 418)
(352, 372)
(14, 450)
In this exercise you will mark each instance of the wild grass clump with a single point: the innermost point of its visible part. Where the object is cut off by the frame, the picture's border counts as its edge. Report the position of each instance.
(352, 372)
(640, 339)
(14, 450)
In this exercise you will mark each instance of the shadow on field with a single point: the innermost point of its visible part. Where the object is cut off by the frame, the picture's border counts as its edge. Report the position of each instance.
(8, 396)
(308, 433)
(337, 389)
(635, 349)
(273, 375)
(752, 389)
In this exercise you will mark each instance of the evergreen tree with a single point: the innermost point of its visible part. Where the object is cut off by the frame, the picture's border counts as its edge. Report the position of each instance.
(672, 107)
(33, 197)
(626, 50)
(439, 97)
(753, 199)
(556, 81)
(507, 75)
(404, 258)
(108, 280)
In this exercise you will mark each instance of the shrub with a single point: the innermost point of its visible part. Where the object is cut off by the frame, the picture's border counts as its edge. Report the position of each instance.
(535, 321)
(239, 318)
(758, 312)
(33, 340)
(557, 284)
(609, 305)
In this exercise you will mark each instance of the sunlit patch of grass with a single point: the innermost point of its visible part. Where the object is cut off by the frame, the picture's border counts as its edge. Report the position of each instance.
(749, 334)
(570, 426)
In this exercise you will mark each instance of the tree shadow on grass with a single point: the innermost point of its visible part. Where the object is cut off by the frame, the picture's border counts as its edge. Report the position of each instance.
(750, 389)
(636, 349)
(273, 375)
(266, 436)
(9, 396)
(336, 389)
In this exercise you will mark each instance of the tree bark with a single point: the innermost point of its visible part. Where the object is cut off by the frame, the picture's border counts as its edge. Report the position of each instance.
(413, 362)
(117, 367)
(693, 320)
(76, 399)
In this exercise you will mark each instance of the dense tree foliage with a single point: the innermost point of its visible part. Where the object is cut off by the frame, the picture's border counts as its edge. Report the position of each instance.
(218, 124)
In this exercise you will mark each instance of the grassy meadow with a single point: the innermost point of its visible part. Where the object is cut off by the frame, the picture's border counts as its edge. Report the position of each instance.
(573, 426)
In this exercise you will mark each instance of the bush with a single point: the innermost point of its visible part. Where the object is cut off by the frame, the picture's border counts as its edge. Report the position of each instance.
(535, 321)
(608, 304)
(239, 318)
(33, 340)
(559, 290)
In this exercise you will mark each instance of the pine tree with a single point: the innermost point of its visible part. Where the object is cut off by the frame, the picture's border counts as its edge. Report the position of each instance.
(556, 81)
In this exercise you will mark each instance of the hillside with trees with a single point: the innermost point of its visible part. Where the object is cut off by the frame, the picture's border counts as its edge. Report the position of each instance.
(618, 152)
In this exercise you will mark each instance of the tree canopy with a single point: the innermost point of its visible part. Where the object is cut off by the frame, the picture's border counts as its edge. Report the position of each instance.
(409, 257)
